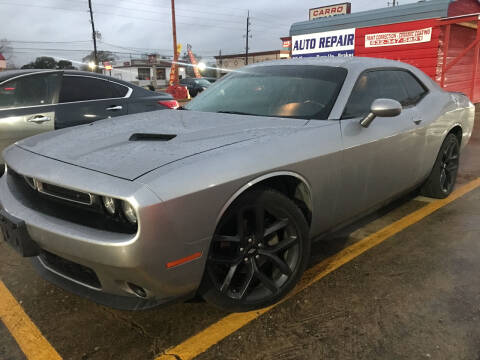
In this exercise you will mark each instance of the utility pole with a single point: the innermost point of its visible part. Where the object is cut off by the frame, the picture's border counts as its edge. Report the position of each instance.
(247, 35)
(94, 35)
(394, 3)
(174, 78)
(220, 63)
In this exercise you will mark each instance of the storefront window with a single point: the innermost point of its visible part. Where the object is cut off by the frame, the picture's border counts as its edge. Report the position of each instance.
(143, 73)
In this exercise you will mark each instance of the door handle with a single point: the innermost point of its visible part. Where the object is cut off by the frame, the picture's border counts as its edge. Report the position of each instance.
(417, 122)
(114, 108)
(39, 119)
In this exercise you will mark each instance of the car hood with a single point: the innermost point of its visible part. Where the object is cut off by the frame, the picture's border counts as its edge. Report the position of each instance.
(133, 145)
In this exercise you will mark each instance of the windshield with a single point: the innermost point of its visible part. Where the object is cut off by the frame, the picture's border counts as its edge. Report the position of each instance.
(296, 91)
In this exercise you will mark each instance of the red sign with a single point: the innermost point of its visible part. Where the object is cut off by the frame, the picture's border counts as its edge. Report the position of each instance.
(330, 10)
(287, 44)
(107, 65)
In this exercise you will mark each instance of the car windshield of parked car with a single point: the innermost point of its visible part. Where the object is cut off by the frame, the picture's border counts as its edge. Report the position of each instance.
(293, 91)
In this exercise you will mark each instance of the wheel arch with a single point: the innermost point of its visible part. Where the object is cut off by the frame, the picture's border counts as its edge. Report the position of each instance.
(457, 130)
(289, 183)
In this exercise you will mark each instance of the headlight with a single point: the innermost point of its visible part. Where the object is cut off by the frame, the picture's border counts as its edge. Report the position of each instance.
(109, 204)
(129, 212)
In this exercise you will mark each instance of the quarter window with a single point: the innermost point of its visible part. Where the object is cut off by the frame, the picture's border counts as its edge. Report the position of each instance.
(31, 90)
(82, 88)
(415, 90)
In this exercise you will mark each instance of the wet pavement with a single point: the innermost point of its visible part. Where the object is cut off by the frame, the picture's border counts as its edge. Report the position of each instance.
(414, 296)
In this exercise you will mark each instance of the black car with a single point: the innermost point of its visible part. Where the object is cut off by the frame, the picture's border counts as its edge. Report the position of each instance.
(195, 85)
(34, 101)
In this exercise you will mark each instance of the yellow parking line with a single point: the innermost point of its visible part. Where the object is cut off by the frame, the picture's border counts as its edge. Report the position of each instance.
(218, 331)
(27, 335)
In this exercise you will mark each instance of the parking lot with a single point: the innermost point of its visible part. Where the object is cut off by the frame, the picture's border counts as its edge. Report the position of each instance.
(400, 284)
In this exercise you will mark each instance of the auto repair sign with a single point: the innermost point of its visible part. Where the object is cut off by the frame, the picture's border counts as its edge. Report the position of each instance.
(398, 38)
(328, 43)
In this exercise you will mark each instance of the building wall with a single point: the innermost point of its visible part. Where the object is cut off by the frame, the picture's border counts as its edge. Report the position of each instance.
(3, 65)
(422, 55)
(459, 76)
(462, 7)
(130, 74)
(234, 63)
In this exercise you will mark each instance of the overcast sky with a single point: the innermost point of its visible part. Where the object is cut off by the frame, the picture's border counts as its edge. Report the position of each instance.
(61, 28)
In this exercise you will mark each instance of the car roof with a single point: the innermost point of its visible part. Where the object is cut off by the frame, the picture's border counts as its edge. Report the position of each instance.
(5, 75)
(348, 62)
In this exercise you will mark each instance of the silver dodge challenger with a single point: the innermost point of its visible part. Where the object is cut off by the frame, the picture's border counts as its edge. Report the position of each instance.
(222, 198)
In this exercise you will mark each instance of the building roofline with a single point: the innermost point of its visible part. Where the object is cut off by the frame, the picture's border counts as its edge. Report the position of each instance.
(260, 53)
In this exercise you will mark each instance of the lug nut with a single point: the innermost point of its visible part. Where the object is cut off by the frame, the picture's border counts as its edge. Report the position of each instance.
(241, 249)
(245, 259)
(257, 256)
(249, 240)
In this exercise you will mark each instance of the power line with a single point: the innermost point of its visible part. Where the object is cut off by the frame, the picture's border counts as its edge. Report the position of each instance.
(119, 15)
(49, 42)
(140, 18)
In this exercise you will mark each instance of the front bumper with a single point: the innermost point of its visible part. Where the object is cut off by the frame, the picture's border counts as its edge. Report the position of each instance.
(117, 259)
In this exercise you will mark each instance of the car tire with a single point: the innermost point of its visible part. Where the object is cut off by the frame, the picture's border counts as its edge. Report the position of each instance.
(442, 179)
(253, 263)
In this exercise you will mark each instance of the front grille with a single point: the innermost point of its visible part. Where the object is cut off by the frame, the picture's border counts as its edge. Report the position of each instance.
(65, 194)
(71, 269)
(62, 206)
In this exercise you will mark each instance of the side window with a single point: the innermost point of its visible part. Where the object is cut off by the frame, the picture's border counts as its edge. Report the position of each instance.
(415, 90)
(31, 90)
(371, 85)
(367, 89)
(392, 86)
(81, 88)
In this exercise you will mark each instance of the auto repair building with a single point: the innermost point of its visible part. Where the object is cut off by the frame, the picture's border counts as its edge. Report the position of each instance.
(440, 37)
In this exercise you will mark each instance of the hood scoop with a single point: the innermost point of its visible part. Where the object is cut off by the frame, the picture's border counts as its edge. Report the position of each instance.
(151, 137)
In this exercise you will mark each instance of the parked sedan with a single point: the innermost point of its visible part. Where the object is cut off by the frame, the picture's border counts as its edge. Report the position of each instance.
(223, 199)
(35, 101)
(195, 86)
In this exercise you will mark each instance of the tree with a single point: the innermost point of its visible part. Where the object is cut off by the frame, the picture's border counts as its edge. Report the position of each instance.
(65, 64)
(7, 52)
(101, 55)
(42, 62)
(210, 71)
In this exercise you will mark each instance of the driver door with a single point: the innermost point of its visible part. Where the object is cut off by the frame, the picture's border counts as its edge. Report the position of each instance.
(381, 161)
(27, 106)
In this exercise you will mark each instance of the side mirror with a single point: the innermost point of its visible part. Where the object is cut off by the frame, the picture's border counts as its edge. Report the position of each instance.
(382, 108)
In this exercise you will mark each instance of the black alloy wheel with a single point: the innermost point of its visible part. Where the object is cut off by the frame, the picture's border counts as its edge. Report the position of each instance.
(442, 179)
(258, 252)
(449, 166)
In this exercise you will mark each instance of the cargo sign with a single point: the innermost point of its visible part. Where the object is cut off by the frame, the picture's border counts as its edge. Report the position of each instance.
(398, 38)
(330, 10)
(329, 43)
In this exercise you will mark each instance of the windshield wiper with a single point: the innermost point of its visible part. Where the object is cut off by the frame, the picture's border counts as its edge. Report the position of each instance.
(234, 112)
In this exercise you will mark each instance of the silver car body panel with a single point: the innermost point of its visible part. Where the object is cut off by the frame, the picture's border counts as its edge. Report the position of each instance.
(180, 188)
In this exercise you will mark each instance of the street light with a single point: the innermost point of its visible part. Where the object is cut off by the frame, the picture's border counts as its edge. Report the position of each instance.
(201, 66)
(92, 65)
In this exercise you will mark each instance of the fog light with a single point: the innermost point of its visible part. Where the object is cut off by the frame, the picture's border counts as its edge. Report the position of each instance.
(129, 212)
(109, 204)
